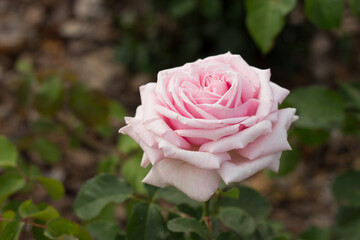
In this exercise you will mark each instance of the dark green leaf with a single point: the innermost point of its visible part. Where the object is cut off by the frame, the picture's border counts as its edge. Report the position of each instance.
(12, 231)
(346, 189)
(99, 192)
(311, 137)
(104, 230)
(49, 98)
(146, 223)
(251, 201)
(265, 19)
(238, 220)
(8, 153)
(318, 107)
(347, 224)
(48, 151)
(10, 184)
(90, 107)
(58, 228)
(325, 13)
(314, 233)
(188, 225)
(54, 187)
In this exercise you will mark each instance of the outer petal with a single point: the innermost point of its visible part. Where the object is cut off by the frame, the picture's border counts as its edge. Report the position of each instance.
(238, 140)
(214, 134)
(279, 93)
(266, 98)
(241, 168)
(199, 159)
(276, 141)
(199, 184)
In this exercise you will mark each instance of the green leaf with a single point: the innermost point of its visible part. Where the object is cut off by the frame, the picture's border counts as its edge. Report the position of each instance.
(99, 192)
(174, 196)
(346, 189)
(90, 107)
(53, 187)
(146, 223)
(47, 150)
(188, 225)
(317, 106)
(10, 215)
(117, 111)
(265, 19)
(40, 211)
(12, 231)
(227, 236)
(352, 94)
(134, 173)
(311, 137)
(108, 164)
(57, 228)
(355, 6)
(181, 8)
(48, 100)
(347, 224)
(325, 14)
(288, 162)
(238, 220)
(8, 153)
(126, 144)
(10, 184)
(250, 201)
(104, 230)
(314, 233)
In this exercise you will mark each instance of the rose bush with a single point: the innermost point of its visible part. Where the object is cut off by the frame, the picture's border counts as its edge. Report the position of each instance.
(216, 118)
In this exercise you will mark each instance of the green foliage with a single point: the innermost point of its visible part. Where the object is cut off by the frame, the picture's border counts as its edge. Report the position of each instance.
(346, 189)
(325, 14)
(250, 201)
(318, 107)
(133, 173)
(238, 220)
(288, 163)
(54, 188)
(49, 98)
(47, 150)
(146, 223)
(355, 6)
(10, 184)
(99, 192)
(12, 231)
(108, 164)
(314, 233)
(58, 228)
(40, 211)
(265, 19)
(188, 225)
(126, 144)
(8, 153)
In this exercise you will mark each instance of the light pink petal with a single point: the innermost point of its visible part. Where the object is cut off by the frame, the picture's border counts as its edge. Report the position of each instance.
(241, 168)
(196, 123)
(213, 134)
(221, 112)
(279, 93)
(238, 140)
(199, 184)
(276, 141)
(266, 98)
(199, 159)
(148, 101)
(145, 161)
(160, 128)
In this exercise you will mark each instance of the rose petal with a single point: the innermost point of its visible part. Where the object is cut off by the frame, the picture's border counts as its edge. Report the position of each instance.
(148, 100)
(213, 134)
(276, 141)
(238, 140)
(145, 161)
(199, 184)
(279, 93)
(241, 168)
(266, 99)
(199, 159)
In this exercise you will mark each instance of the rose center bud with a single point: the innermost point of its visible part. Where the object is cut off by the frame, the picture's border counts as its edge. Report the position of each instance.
(215, 84)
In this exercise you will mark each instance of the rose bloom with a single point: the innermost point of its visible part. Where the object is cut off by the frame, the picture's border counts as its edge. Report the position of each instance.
(216, 118)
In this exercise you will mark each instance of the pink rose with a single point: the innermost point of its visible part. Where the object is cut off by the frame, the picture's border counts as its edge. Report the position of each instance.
(216, 118)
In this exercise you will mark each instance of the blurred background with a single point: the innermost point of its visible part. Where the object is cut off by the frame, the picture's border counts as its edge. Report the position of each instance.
(70, 71)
